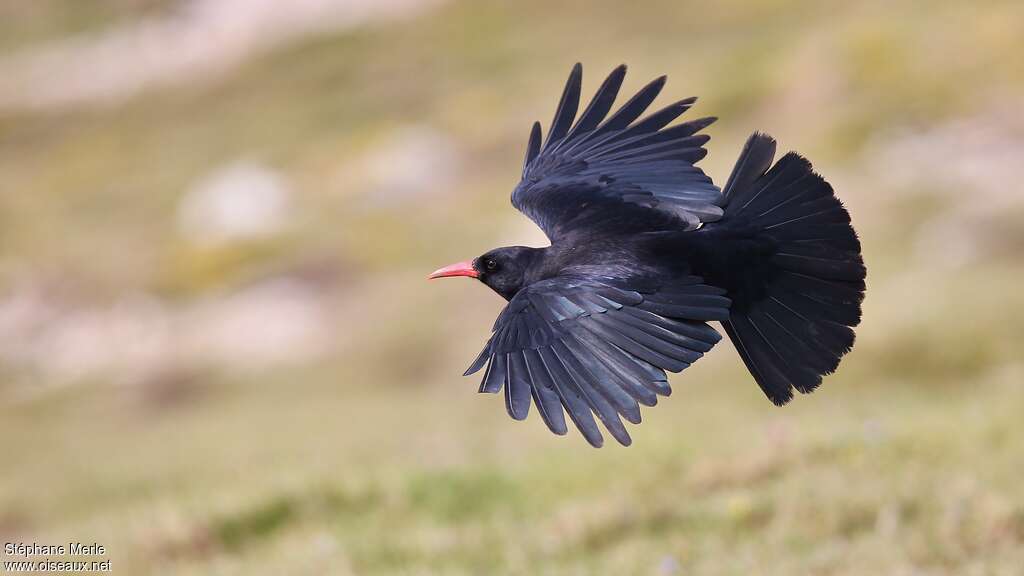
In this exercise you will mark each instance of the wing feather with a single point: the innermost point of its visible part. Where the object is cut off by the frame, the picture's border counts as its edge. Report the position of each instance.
(545, 395)
(592, 347)
(600, 105)
(584, 173)
(517, 388)
(567, 106)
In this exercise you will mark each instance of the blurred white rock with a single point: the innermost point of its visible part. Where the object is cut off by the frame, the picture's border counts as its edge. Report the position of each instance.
(50, 336)
(130, 337)
(277, 321)
(972, 159)
(414, 161)
(971, 164)
(972, 233)
(24, 312)
(241, 201)
(274, 322)
(195, 42)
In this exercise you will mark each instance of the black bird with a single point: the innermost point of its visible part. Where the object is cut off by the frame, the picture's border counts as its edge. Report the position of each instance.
(645, 251)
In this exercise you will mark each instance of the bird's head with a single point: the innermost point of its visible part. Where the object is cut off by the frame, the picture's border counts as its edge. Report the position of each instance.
(502, 269)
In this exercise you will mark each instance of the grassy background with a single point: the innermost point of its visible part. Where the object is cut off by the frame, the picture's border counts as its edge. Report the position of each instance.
(373, 456)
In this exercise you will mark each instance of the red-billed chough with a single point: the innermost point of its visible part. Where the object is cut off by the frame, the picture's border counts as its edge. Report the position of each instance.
(645, 251)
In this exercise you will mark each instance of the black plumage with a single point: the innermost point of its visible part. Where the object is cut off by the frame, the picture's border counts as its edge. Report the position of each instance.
(645, 251)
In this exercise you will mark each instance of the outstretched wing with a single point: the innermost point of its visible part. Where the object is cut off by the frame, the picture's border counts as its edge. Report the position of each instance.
(637, 174)
(593, 346)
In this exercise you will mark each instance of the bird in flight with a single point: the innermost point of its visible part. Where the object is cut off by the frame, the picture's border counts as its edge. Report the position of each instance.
(645, 251)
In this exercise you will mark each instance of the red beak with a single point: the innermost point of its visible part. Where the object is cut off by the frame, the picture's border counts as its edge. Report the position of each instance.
(457, 269)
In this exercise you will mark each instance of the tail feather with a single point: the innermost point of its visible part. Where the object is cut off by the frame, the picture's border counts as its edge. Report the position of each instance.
(798, 325)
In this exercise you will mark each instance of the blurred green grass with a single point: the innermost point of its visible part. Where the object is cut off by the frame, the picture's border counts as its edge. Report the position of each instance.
(379, 459)
(864, 479)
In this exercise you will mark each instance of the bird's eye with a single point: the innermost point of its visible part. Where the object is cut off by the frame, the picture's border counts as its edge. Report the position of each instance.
(490, 265)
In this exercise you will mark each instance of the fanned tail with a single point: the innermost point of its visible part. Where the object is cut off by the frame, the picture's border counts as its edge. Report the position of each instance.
(792, 321)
